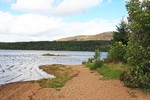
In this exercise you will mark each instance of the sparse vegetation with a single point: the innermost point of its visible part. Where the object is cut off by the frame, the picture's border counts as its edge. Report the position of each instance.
(95, 62)
(48, 54)
(61, 73)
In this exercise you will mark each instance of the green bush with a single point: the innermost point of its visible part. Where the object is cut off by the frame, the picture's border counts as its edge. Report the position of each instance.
(95, 62)
(139, 74)
(96, 65)
(117, 53)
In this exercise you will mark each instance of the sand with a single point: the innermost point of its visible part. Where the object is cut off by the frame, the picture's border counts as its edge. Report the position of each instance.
(86, 85)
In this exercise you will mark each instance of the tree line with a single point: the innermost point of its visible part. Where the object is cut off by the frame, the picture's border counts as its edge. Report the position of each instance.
(58, 45)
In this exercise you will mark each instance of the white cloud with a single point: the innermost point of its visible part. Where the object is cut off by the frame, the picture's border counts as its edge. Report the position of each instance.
(32, 5)
(55, 7)
(29, 27)
(75, 6)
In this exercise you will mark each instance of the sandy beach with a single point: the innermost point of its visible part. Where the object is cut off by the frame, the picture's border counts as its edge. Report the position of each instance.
(86, 85)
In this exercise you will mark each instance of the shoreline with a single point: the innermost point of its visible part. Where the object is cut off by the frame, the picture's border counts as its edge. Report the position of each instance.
(86, 85)
(40, 67)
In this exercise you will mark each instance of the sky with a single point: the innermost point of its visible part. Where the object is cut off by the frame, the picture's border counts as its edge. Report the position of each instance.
(48, 20)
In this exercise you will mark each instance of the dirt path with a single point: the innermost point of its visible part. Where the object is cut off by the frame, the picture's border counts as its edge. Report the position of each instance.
(86, 86)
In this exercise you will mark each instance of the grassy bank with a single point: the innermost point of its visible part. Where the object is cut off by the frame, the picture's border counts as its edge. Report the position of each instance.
(112, 70)
(109, 70)
(62, 73)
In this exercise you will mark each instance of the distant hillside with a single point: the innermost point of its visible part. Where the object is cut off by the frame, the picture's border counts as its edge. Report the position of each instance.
(101, 36)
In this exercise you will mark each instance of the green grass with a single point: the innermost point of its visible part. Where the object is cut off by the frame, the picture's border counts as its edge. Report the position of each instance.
(94, 65)
(48, 54)
(112, 70)
(61, 76)
(88, 65)
(57, 82)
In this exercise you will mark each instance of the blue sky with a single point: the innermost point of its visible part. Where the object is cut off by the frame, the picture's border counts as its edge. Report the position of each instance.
(47, 20)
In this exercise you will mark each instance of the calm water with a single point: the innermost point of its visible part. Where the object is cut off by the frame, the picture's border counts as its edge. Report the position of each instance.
(23, 65)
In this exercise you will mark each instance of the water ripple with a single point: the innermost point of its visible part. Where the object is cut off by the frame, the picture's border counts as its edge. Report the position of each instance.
(22, 65)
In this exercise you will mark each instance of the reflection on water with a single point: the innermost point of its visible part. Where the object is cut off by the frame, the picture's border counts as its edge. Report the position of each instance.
(22, 65)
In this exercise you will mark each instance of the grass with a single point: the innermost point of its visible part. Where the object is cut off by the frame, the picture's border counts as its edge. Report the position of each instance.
(88, 65)
(57, 82)
(94, 65)
(48, 54)
(112, 70)
(62, 76)
(146, 91)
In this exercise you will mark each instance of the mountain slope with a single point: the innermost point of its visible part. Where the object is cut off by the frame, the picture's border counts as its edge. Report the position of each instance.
(101, 36)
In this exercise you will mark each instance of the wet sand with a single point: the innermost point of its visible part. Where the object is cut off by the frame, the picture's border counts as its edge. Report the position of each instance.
(86, 85)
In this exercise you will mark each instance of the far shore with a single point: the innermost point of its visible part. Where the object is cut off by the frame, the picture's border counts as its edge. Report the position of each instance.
(86, 85)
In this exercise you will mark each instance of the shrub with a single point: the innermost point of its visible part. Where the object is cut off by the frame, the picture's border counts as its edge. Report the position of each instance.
(117, 52)
(96, 65)
(95, 62)
(139, 74)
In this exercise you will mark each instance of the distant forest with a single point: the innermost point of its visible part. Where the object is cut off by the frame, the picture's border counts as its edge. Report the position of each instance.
(102, 45)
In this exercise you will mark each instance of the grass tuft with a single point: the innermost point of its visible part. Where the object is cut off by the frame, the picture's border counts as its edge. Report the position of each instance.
(48, 54)
(62, 76)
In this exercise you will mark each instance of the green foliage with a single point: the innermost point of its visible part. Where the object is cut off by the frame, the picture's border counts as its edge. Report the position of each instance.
(139, 74)
(54, 45)
(97, 55)
(135, 77)
(138, 56)
(138, 50)
(48, 54)
(111, 70)
(139, 22)
(88, 65)
(95, 62)
(117, 52)
(122, 33)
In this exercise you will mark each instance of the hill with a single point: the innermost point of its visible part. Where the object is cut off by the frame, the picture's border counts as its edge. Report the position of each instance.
(101, 36)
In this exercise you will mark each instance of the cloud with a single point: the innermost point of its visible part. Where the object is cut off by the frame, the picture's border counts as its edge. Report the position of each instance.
(55, 7)
(32, 5)
(29, 27)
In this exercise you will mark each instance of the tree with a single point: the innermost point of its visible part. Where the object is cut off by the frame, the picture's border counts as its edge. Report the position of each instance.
(121, 35)
(139, 21)
(97, 56)
(138, 52)
(117, 52)
(95, 62)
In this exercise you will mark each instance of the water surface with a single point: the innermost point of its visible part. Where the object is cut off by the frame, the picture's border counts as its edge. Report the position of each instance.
(23, 65)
